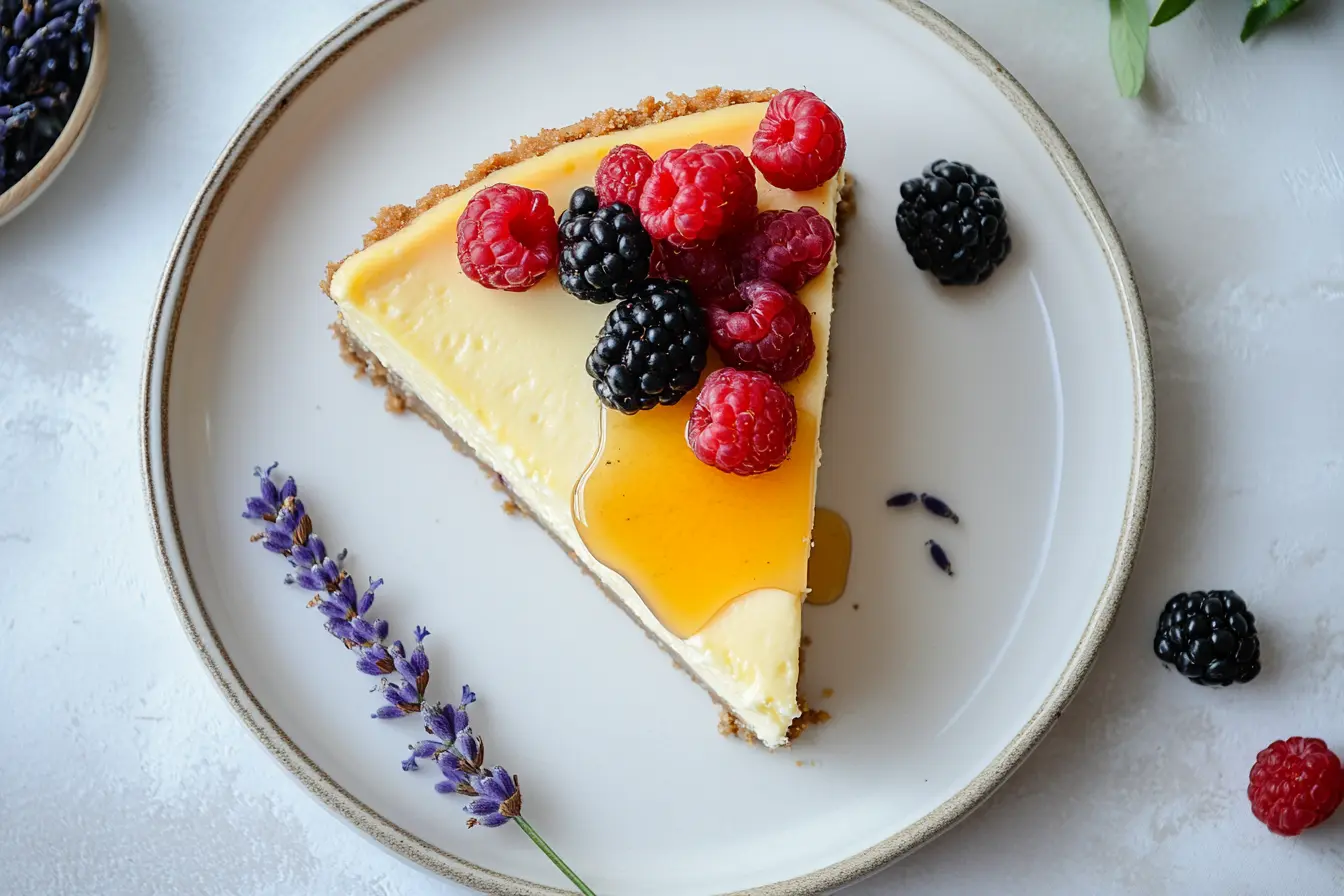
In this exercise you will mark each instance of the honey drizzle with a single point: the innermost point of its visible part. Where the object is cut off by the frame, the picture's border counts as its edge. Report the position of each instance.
(690, 538)
(828, 567)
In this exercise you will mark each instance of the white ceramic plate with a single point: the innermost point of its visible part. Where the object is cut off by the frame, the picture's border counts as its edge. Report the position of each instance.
(1026, 403)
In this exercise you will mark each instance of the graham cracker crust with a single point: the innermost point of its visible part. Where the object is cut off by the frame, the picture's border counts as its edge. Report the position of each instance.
(390, 219)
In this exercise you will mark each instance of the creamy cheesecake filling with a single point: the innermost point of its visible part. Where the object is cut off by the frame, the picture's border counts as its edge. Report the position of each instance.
(505, 372)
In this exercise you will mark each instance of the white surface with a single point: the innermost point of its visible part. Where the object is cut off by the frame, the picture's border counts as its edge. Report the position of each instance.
(123, 772)
(1037, 364)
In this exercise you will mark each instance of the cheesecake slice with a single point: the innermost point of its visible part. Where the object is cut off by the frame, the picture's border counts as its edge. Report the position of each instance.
(713, 566)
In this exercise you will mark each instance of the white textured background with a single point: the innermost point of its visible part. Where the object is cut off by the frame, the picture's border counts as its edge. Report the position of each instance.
(123, 772)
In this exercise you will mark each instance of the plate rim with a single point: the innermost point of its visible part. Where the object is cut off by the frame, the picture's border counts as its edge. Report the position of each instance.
(196, 623)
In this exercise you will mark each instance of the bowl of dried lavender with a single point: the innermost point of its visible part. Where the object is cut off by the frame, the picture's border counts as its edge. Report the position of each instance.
(53, 61)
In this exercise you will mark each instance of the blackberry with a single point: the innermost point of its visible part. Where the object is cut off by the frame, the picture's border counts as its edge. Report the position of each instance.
(1209, 637)
(953, 223)
(651, 350)
(604, 250)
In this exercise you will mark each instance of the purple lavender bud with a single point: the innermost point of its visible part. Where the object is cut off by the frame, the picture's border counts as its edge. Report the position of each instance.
(468, 696)
(421, 633)
(257, 508)
(387, 712)
(440, 723)
(365, 634)
(426, 749)
(456, 779)
(332, 610)
(366, 602)
(308, 578)
(277, 542)
(375, 661)
(303, 555)
(500, 799)
(342, 631)
(290, 489)
(470, 748)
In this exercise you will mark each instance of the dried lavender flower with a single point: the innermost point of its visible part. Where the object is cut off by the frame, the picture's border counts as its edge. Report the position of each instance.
(45, 50)
(939, 556)
(938, 507)
(452, 746)
(904, 499)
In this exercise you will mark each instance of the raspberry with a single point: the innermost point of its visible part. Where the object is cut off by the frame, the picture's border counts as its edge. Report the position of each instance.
(621, 174)
(698, 194)
(1295, 784)
(507, 237)
(706, 267)
(800, 143)
(773, 333)
(742, 422)
(789, 248)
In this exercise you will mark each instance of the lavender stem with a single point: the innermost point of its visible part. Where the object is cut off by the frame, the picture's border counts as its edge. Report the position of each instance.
(551, 854)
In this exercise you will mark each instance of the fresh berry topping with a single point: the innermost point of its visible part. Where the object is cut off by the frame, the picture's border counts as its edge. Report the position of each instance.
(773, 332)
(706, 267)
(789, 248)
(800, 143)
(698, 194)
(1295, 784)
(1209, 637)
(506, 237)
(604, 252)
(651, 350)
(953, 223)
(621, 174)
(742, 422)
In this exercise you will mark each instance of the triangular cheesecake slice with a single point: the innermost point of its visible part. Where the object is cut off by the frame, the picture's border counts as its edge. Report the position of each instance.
(721, 585)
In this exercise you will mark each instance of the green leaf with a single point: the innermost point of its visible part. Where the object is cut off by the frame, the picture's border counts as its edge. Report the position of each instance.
(1129, 44)
(1265, 12)
(1169, 10)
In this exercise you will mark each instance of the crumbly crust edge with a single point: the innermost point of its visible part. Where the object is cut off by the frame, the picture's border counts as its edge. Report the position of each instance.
(393, 218)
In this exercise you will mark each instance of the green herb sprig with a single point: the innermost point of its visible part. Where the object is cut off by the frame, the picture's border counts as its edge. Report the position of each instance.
(1130, 24)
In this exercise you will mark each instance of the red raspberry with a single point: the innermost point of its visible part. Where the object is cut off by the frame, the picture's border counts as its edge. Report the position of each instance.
(789, 248)
(1295, 784)
(707, 267)
(742, 422)
(698, 194)
(621, 174)
(800, 143)
(507, 237)
(773, 333)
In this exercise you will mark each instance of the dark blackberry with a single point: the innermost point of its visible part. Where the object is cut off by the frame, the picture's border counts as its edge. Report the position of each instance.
(604, 251)
(652, 348)
(953, 223)
(1209, 637)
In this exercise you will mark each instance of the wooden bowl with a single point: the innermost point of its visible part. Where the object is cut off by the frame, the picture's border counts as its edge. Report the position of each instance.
(19, 196)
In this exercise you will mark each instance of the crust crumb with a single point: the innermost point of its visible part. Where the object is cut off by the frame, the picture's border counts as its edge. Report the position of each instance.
(827, 693)
(510, 507)
(394, 403)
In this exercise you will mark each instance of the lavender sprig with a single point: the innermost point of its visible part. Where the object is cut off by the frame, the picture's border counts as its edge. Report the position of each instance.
(453, 747)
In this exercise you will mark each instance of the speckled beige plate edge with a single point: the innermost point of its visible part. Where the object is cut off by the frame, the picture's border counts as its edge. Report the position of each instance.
(182, 588)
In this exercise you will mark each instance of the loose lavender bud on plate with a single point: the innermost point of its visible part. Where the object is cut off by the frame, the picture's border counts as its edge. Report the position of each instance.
(938, 507)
